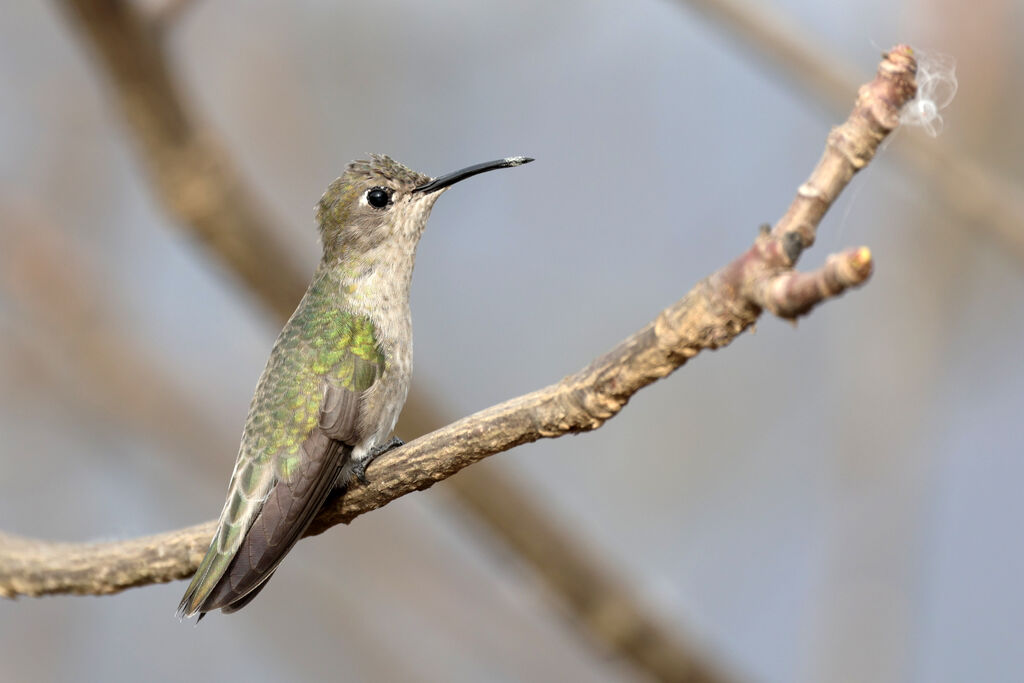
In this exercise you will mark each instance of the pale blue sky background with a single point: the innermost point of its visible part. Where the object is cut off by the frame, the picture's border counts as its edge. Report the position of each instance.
(838, 501)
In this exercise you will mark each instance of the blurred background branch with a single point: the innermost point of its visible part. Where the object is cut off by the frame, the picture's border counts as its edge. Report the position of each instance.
(167, 13)
(190, 172)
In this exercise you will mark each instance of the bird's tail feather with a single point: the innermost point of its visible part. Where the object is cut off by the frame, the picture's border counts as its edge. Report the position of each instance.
(210, 570)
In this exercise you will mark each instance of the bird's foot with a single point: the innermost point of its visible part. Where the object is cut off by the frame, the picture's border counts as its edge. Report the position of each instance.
(359, 468)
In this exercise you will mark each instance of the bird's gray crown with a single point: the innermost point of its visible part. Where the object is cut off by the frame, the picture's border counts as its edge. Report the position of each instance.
(384, 170)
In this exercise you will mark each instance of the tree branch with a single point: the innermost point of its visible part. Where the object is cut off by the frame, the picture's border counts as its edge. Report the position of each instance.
(46, 278)
(710, 316)
(196, 183)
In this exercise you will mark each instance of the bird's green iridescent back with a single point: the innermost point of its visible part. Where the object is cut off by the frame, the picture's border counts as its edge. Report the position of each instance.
(321, 344)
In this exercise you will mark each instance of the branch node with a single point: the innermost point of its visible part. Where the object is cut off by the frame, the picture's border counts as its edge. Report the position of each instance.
(792, 294)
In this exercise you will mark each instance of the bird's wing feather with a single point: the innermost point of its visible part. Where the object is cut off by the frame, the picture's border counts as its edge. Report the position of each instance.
(339, 414)
(276, 487)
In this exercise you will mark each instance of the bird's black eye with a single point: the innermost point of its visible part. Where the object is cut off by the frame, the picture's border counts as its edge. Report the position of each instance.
(378, 197)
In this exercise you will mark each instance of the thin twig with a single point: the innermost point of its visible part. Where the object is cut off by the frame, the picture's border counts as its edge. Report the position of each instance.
(984, 201)
(710, 316)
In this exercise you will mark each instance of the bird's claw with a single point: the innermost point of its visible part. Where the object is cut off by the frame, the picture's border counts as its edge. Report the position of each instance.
(359, 468)
(359, 472)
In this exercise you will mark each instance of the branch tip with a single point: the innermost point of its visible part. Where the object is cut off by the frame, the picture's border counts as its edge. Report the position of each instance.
(860, 260)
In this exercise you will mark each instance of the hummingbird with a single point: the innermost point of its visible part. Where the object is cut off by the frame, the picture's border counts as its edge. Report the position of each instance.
(336, 380)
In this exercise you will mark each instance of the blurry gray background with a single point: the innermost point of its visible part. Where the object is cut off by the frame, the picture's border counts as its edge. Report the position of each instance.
(837, 501)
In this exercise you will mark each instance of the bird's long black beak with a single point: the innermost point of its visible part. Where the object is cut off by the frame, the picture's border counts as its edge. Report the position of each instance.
(452, 178)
